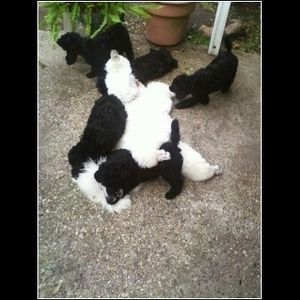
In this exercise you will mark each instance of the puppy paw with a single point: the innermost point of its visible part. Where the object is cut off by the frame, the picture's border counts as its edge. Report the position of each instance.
(163, 155)
(217, 169)
(90, 75)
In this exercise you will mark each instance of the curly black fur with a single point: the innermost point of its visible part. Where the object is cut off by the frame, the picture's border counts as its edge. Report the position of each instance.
(105, 126)
(120, 173)
(153, 65)
(96, 51)
(218, 75)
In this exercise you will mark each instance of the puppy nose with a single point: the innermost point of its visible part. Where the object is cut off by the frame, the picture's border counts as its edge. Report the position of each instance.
(111, 199)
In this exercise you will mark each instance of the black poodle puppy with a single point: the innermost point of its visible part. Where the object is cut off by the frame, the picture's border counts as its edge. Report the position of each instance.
(96, 51)
(153, 65)
(105, 126)
(218, 75)
(120, 173)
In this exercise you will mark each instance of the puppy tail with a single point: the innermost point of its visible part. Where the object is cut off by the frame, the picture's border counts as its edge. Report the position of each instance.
(175, 133)
(227, 42)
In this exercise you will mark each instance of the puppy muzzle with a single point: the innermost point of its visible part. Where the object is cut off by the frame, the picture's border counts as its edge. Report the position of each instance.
(114, 54)
(113, 199)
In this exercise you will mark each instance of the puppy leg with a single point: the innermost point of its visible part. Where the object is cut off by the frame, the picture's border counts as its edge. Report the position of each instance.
(101, 86)
(176, 182)
(171, 172)
(71, 58)
(91, 74)
(129, 52)
(187, 103)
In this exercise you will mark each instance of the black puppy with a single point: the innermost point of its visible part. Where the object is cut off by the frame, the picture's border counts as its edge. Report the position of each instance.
(120, 173)
(105, 126)
(218, 75)
(153, 65)
(96, 51)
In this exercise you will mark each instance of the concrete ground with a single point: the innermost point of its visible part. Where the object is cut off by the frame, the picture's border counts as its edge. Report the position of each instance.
(205, 243)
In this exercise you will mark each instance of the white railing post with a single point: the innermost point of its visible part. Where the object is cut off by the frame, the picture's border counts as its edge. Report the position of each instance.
(219, 26)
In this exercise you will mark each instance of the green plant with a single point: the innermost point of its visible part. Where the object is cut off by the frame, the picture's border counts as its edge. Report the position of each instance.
(210, 6)
(108, 13)
(196, 37)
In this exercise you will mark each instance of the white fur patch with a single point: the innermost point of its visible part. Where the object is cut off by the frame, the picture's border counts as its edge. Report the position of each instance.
(144, 135)
(160, 95)
(123, 203)
(95, 191)
(195, 167)
(119, 79)
(88, 184)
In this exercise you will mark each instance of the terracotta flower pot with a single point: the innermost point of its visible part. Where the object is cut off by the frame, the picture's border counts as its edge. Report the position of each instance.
(167, 25)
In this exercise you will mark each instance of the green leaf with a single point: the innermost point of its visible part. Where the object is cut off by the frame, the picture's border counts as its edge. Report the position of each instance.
(88, 21)
(99, 30)
(115, 19)
(110, 13)
(75, 12)
(119, 9)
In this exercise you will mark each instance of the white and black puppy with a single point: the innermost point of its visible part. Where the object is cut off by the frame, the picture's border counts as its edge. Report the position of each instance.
(194, 167)
(105, 126)
(120, 174)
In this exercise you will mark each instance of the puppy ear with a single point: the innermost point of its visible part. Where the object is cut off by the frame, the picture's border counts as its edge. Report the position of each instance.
(73, 155)
(76, 154)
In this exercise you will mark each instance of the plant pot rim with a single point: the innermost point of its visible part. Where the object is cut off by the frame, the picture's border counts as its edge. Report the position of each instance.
(175, 2)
